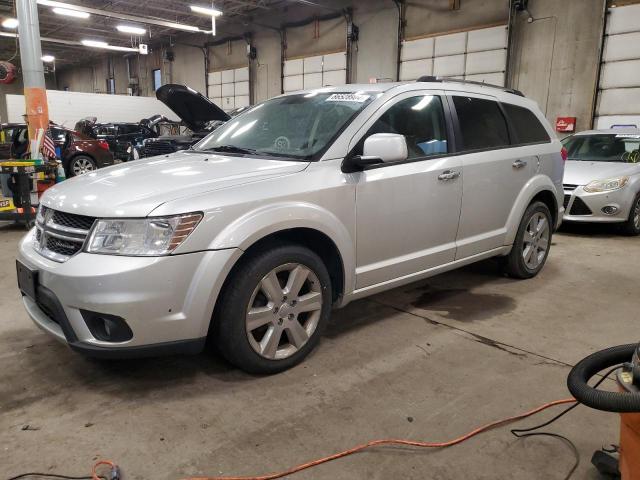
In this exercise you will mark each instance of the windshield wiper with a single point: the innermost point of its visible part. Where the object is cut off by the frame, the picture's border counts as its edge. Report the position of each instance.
(232, 149)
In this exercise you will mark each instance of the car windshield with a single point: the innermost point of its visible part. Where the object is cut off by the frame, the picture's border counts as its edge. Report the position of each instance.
(294, 126)
(604, 148)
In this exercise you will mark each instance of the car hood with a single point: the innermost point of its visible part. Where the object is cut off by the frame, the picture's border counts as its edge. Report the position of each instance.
(193, 108)
(580, 172)
(134, 189)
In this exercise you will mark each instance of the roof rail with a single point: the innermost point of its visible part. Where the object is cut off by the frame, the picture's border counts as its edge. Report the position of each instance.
(430, 78)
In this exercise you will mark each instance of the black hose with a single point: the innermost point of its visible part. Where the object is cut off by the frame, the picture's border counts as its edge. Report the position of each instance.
(621, 402)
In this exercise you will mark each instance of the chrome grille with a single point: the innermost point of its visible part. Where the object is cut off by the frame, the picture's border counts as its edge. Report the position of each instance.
(60, 235)
(569, 187)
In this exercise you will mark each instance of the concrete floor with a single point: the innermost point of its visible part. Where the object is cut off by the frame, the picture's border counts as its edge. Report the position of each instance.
(429, 361)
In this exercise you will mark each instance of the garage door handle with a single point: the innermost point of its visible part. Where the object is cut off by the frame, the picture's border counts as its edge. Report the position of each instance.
(519, 164)
(448, 175)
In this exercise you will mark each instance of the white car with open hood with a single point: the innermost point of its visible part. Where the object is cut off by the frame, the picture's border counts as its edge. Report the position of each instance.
(300, 204)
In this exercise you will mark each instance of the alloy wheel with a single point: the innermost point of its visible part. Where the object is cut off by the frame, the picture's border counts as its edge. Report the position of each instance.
(284, 311)
(536, 241)
(636, 214)
(82, 165)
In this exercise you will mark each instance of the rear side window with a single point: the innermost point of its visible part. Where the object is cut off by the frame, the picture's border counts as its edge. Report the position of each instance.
(526, 125)
(482, 124)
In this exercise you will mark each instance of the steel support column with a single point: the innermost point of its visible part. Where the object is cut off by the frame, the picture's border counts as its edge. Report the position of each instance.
(35, 93)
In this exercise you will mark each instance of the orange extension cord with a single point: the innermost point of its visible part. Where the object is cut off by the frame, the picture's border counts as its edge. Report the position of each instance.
(375, 443)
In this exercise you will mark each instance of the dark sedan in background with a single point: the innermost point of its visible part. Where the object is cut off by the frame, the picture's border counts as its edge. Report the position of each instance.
(80, 154)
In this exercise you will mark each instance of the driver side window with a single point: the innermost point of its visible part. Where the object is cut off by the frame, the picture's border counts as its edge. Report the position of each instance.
(421, 120)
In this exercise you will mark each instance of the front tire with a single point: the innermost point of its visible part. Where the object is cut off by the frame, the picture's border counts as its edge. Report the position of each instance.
(632, 226)
(273, 309)
(533, 241)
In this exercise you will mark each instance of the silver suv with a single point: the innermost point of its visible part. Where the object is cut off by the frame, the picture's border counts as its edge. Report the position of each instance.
(303, 203)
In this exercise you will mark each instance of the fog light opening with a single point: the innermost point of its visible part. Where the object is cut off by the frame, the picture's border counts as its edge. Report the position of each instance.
(108, 328)
(610, 210)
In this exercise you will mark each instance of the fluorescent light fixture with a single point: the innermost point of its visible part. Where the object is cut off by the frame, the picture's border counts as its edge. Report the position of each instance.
(8, 34)
(106, 46)
(213, 12)
(94, 43)
(10, 23)
(71, 13)
(131, 29)
(48, 58)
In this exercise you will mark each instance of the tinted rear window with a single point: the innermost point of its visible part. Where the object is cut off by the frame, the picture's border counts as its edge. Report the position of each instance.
(526, 125)
(482, 124)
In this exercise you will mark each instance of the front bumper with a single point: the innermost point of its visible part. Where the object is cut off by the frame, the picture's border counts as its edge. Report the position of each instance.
(581, 206)
(166, 301)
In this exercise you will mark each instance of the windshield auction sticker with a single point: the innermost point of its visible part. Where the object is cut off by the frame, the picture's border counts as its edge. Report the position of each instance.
(348, 97)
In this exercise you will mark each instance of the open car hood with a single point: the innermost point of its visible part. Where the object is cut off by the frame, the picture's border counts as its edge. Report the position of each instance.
(193, 108)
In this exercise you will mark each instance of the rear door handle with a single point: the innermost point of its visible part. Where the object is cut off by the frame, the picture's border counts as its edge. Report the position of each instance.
(448, 175)
(519, 164)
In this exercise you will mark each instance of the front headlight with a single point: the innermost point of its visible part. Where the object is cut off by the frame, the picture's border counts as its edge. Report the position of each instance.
(606, 185)
(151, 236)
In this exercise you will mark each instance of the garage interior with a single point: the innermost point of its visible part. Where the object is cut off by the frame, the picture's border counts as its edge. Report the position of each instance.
(428, 361)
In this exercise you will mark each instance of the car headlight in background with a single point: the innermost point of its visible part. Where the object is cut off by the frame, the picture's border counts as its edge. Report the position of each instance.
(606, 185)
(151, 236)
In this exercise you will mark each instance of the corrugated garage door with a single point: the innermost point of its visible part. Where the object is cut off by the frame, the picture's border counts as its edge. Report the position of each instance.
(619, 86)
(479, 55)
(315, 72)
(229, 89)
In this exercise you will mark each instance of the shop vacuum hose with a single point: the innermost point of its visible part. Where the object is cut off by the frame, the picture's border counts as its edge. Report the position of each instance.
(620, 402)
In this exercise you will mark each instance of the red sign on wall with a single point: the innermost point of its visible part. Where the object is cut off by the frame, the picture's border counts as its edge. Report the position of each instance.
(566, 124)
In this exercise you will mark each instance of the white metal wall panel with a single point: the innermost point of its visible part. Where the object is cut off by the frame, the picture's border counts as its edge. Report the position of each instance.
(608, 121)
(333, 78)
(241, 88)
(620, 74)
(66, 108)
(494, 38)
(623, 19)
(293, 67)
(312, 80)
(414, 69)
(619, 83)
(293, 83)
(313, 64)
(476, 54)
(619, 101)
(489, 61)
(453, 44)
(230, 88)
(241, 101)
(449, 66)
(241, 74)
(417, 49)
(334, 61)
(315, 71)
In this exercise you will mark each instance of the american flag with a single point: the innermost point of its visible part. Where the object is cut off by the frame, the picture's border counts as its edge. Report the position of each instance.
(48, 147)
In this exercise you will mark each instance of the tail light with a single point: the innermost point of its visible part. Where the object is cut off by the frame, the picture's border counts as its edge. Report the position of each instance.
(103, 144)
(564, 153)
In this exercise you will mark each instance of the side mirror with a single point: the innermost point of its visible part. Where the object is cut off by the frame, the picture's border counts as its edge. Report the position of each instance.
(378, 148)
(388, 147)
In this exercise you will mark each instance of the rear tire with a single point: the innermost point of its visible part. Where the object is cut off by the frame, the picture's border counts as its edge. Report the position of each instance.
(533, 241)
(632, 226)
(81, 164)
(273, 309)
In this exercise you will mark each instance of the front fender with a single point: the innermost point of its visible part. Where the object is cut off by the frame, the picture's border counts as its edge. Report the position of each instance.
(533, 187)
(261, 222)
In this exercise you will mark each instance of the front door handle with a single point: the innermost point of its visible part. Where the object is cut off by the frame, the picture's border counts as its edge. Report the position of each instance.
(518, 164)
(448, 175)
